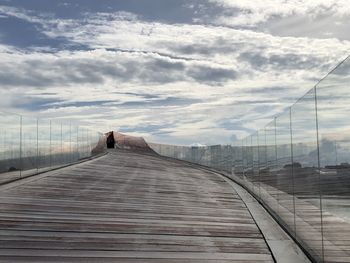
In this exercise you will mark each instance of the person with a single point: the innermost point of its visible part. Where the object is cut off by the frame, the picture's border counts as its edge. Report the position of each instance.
(110, 140)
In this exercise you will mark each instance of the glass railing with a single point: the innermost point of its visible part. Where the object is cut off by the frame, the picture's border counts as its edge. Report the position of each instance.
(30, 145)
(297, 166)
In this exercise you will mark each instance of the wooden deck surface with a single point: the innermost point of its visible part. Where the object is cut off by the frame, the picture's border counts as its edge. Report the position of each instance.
(127, 207)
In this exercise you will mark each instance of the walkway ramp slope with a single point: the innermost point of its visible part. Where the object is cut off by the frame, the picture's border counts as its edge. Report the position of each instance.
(127, 207)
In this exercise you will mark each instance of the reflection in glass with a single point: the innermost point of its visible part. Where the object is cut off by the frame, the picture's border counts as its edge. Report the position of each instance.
(30, 145)
(10, 147)
(333, 108)
(306, 174)
(284, 175)
(298, 165)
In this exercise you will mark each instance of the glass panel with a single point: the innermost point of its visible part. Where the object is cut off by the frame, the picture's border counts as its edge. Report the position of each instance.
(270, 177)
(306, 174)
(244, 157)
(81, 143)
(228, 158)
(10, 138)
(172, 151)
(66, 143)
(263, 170)
(74, 143)
(29, 146)
(207, 156)
(284, 176)
(255, 164)
(94, 139)
(214, 156)
(302, 174)
(43, 144)
(333, 101)
(201, 155)
(194, 157)
(238, 160)
(176, 152)
(56, 144)
(248, 173)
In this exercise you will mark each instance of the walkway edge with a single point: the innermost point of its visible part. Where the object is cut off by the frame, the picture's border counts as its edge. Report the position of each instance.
(283, 248)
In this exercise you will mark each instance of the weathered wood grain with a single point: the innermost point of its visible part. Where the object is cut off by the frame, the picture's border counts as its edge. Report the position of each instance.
(127, 207)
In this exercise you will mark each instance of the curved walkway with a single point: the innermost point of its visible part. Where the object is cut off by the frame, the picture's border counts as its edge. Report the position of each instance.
(127, 207)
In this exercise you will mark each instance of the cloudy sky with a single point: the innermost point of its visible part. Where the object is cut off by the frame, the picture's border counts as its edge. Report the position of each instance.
(173, 71)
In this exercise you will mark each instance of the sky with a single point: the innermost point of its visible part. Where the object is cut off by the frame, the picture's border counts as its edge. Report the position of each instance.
(179, 72)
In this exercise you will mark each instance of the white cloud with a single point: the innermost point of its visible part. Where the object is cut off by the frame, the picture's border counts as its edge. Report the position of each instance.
(251, 13)
(189, 82)
(23, 14)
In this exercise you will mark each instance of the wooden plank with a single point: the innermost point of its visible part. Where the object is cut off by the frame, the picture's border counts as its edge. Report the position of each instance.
(127, 207)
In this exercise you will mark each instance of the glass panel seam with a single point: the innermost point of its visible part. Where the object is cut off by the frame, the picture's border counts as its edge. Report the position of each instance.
(292, 170)
(319, 170)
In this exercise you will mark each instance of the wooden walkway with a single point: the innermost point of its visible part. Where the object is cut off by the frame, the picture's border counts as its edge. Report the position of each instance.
(127, 207)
